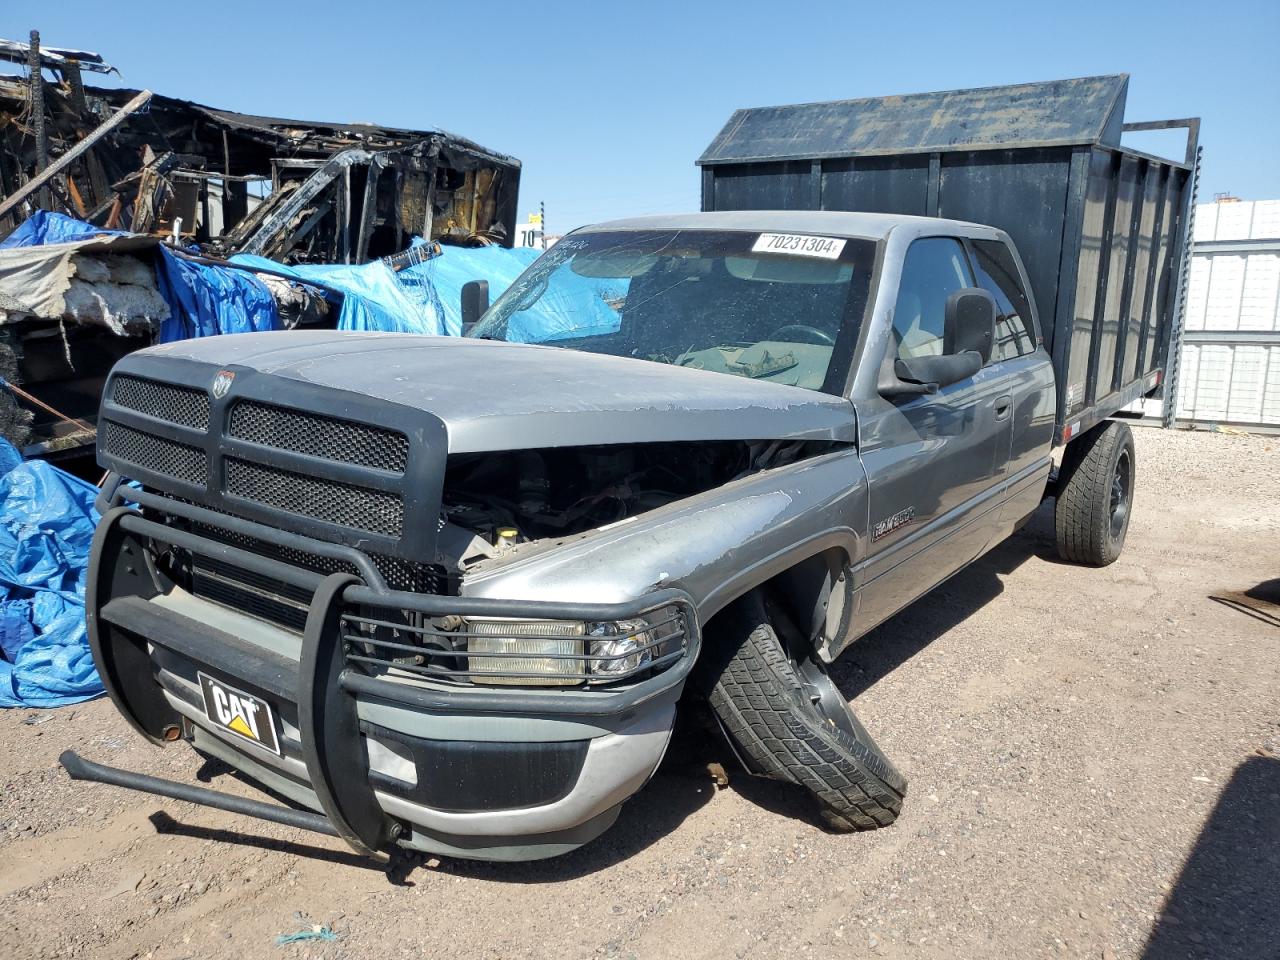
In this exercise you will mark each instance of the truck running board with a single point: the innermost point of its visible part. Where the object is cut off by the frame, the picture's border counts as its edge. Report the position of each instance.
(79, 768)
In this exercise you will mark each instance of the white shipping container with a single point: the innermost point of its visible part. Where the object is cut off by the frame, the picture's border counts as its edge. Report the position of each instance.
(1238, 220)
(1189, 383)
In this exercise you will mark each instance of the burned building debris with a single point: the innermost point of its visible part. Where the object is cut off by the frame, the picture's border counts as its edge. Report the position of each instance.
(296, 191)
(189, 175)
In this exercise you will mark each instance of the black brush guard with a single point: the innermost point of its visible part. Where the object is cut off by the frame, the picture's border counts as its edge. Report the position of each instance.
(122, 621)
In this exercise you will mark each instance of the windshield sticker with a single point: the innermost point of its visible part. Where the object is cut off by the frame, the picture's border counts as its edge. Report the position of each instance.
(799, 245)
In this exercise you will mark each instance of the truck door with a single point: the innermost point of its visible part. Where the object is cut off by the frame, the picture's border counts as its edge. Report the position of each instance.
(1019, 357)
(935, 463)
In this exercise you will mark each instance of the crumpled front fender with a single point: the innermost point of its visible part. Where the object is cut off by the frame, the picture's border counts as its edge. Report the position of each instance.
(714, 546)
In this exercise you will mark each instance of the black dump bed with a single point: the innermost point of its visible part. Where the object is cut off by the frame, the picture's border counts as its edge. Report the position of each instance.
(1102, 229)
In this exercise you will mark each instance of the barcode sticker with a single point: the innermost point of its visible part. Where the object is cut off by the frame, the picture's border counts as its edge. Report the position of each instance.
(800, 245)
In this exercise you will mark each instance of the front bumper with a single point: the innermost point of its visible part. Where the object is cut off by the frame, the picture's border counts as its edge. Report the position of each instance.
(489, 773)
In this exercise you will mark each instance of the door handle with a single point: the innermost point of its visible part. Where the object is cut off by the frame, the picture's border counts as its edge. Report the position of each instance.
(1003, 406)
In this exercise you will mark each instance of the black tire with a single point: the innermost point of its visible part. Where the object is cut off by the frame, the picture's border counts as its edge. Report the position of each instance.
(1095, 495)
(786, 720)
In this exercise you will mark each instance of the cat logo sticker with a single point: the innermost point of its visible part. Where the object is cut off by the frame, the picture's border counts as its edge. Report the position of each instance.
(238, 712)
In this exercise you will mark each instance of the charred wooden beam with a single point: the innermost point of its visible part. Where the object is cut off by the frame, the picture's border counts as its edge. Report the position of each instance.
(280, 219)
(36, 81)
(71, 155)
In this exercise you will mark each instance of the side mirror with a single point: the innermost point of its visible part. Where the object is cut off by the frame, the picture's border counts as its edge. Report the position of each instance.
(971, 323)
(927, 374)
(475, 301)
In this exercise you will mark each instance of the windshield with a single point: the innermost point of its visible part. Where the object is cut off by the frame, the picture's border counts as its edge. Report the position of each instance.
(782, 308)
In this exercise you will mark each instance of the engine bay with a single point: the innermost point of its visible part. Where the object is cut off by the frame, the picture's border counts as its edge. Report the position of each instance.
(496, 501)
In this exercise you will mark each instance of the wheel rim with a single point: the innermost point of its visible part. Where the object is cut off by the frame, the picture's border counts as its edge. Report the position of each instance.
(826, 698)
(1121, 483)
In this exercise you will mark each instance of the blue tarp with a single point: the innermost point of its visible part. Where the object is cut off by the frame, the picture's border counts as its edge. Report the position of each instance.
(372, 298)
(46, 527)
(569, 306)
(44, 227)
(458, 265)
(424, 298)
(203, 299)
(206, 300)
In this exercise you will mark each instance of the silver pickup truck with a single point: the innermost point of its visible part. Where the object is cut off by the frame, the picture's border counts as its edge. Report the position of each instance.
(446, 594)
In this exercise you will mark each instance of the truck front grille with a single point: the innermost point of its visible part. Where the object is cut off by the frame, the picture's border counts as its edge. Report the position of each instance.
(343, 504)
(408, 575)
(165, 457)
(165, 401)
(317, 436)
(282, 603)
(364, 475)
(259, 596)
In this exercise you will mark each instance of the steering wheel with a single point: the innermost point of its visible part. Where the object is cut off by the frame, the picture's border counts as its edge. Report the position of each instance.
(812, 335)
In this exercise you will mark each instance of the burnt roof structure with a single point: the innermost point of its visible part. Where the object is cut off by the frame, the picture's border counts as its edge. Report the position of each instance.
(233, 181)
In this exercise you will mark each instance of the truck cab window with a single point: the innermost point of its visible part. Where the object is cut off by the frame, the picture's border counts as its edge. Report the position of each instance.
(998, 274)
(934, 268)
(703, 299)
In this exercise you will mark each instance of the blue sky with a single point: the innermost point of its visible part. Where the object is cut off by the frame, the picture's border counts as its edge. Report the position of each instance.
(608, 105)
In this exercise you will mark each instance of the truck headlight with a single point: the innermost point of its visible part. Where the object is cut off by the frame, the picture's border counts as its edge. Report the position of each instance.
(562, 653)
(540, 653)
(625, 648)
(618, 648)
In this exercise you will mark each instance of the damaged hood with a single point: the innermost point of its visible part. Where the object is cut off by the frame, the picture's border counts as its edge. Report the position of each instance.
(504, 396)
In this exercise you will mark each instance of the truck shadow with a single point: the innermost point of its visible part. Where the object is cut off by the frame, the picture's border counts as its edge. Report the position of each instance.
(681, 787)
(212, 768)
(874, 656)
(1226, 902)
(165, 825)
(1261, 602)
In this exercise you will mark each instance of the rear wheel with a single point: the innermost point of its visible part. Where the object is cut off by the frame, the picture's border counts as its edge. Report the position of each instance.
(787, 720)
(1095, 495)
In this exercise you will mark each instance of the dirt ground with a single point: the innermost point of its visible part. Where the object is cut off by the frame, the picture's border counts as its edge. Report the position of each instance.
(1092, 755)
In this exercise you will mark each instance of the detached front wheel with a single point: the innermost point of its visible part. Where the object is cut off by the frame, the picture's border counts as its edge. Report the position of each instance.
(1095, 495)
(786, 720)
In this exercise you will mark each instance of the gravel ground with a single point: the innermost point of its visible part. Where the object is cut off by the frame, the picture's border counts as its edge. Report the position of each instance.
(1093, 764)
